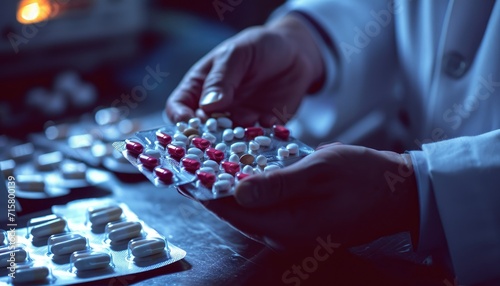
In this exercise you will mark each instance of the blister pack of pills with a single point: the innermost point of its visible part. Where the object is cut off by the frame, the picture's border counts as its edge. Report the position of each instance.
(82, 241)
(44, 175)
(207, 160)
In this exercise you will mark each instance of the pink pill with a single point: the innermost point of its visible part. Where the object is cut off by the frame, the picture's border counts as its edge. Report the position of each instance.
(252, 132)
(148, 161)
(165, 175)
(201, 143)
(163, 138)
(191, 165)
(207, 179)
(230, 167)
(175, 152)
(133, 147)
(215, 154)
(281, 132)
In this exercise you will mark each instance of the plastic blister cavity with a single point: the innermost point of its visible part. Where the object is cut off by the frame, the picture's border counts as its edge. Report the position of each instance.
(90, 260)
(144, 249)
(45, 226)
(183, 153)
(32, 274)
(122, 232)
(13, 256)
(102, 215)
(65, 244)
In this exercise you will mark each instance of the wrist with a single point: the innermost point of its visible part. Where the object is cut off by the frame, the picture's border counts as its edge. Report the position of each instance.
(294, 28)
(410, 193)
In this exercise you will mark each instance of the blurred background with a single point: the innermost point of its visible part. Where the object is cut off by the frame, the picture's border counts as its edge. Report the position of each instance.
(60, 59)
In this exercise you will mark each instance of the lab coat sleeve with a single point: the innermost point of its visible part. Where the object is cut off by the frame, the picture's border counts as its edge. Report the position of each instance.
(459, 189)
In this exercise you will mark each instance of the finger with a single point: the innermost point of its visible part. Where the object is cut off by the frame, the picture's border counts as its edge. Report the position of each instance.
(183, 101)
(327, 145)
(277, 186)
(230, 65)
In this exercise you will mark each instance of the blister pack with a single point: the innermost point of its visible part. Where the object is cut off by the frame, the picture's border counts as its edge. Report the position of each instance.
(82, 241)
(207, 160)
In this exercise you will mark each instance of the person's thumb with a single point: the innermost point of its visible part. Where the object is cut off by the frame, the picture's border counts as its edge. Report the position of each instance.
(229, 67)
(270, 188)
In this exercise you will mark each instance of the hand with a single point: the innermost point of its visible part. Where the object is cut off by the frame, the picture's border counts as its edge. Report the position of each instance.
(257, 76)
(339, 191)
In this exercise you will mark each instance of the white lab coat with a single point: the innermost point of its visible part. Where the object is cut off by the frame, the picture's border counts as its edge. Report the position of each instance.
(426, 71)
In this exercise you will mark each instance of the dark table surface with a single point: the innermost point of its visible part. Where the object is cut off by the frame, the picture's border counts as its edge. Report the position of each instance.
(217, 254)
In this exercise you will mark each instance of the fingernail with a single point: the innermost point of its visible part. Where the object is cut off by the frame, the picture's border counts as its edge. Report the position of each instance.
(248, 193)
(210, 98)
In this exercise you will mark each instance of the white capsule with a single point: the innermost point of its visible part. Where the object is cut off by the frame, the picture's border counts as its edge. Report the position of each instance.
(50, 227)
(209, 136)
(66, 244)
(239, 147)
(283, 153)
(146, 247)
(181, 126)
(212, 164)
(123, 230)
(7, 167)
(83, 260)
(221, 187)
(179, 144)
(153, 153)
(263, 140)
(253, 145)
(234, 158)
(180, 137)
(239, 132)
(74, 170)
(102, 215)
(31, 183)
(196, 151)
(193, 156)
(292, 148)
(206, 170)
(49, 161)
(257, 170)
(31, 274)
(228, 135)
(7, 252)
(194, 122)
(211, 124)
(271, 168)
(261, 160)
(221, 147)
(226, 177)
(224, 122)
(247, 170)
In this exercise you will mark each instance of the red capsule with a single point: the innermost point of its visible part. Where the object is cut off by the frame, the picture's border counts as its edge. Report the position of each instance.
(201, 143)
(191, 165)
(148, 161)
(281, 132)
(241, 176)
(165, 175)
(175, 152)
(134, 147)
(163, 138)
(207, 179)
(230, 167)
(214, 154)
(252, 132)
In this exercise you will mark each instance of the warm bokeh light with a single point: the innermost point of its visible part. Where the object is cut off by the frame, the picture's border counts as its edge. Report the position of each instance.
(33, 11)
